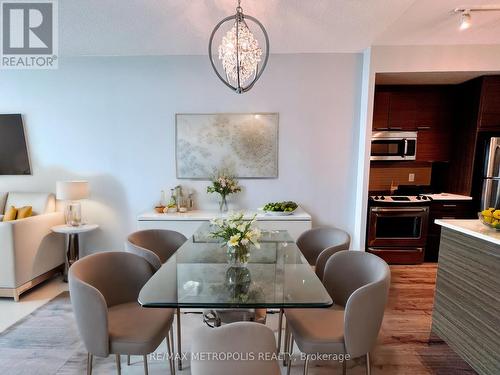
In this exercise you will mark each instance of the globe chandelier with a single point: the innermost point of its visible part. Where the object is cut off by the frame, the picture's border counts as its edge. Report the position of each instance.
(241, 59)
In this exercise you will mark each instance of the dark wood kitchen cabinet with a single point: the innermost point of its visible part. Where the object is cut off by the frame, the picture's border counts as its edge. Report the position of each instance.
(394, 109)
(403, 111)
(433, 107)
(477, 119)
(489, 111)
(433, 123)
(453, 209)
(433, 145)
(381, 110)
(464, 138)
(426, 109)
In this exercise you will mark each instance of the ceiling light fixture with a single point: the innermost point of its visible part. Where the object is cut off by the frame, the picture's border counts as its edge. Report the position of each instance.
(239, 53)
(466, 14)
(465, 20)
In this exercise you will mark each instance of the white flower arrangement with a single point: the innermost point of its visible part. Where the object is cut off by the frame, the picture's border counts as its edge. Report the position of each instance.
(237, 232)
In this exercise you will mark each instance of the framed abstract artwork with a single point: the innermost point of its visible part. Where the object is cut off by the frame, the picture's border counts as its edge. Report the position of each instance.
(244, 144)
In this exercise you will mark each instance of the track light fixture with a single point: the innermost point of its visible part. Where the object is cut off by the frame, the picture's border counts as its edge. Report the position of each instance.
(466, 14)
(465, 20)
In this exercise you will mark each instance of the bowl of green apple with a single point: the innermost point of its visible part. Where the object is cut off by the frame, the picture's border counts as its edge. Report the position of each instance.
(280, 208)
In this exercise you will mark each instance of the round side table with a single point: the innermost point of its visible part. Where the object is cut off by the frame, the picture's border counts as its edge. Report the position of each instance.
(73, 252)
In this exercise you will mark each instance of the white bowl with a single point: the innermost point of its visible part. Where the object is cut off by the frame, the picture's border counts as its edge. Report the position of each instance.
(277, 213)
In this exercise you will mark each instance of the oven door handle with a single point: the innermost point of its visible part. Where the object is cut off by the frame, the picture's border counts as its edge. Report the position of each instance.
(421, 209)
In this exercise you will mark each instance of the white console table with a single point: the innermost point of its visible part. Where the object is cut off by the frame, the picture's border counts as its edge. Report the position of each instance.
(187, 223)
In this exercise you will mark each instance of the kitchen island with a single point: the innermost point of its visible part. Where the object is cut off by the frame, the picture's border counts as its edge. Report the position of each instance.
(466, 311)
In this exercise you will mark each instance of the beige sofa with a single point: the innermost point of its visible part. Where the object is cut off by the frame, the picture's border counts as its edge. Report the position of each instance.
(30, 253)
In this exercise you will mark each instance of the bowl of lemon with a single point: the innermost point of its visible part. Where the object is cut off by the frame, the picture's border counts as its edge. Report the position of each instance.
(490, 217)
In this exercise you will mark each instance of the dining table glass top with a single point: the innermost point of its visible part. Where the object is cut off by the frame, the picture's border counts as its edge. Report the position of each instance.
(198, 276)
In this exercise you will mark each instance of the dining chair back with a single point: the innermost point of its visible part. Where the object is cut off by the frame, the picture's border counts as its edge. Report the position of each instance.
(318, 244)
(252, 346)
(104, 288)
(155, 245)
(98, 282)
(360, 282)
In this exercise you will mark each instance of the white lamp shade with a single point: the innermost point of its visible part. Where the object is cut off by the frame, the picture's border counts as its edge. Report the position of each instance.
(72, 190)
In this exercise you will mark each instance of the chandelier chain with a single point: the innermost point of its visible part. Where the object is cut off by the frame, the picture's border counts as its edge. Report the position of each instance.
(238, 67)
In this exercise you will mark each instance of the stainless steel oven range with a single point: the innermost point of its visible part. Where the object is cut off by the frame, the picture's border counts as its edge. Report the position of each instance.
(397, 228)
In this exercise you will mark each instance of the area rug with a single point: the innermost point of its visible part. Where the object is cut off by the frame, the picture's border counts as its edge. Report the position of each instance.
(47, 342)
(41, 342)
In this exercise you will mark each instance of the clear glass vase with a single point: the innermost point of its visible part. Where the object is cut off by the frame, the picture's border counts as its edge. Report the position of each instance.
(238, 282)
(223, 204)
(238, 256)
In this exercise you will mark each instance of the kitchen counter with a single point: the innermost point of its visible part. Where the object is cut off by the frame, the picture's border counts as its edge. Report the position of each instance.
(467, 298)
(473, 228)
(448, 197)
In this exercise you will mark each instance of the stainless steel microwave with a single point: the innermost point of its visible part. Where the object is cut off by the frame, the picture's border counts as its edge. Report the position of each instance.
(394, 145)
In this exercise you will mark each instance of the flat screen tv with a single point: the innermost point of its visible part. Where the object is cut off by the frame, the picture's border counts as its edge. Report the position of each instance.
(14, 159)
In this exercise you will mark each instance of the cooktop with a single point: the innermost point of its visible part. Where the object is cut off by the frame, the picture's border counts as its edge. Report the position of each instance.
(400, 198)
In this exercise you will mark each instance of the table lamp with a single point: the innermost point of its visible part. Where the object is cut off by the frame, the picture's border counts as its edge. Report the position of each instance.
(72, 191)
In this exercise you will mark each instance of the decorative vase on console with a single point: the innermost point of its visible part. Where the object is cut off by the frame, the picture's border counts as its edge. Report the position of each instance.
(237, 236)
(223, 203)
(223, 184)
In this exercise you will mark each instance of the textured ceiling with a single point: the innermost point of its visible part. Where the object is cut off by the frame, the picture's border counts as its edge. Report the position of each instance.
(162, 27)
(434, 22)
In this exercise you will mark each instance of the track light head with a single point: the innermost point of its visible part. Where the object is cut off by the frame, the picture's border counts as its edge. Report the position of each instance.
(465, 20)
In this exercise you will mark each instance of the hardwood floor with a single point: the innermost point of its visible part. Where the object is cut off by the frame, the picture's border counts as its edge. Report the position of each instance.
(406, 345)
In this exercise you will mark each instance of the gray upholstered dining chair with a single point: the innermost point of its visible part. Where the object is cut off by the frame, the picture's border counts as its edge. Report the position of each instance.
(358, 283)
(253, 344)
(156, 246)
(317, 245)
(104, 288)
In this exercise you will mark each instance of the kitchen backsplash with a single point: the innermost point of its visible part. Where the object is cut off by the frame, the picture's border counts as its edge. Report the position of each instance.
(383, 177)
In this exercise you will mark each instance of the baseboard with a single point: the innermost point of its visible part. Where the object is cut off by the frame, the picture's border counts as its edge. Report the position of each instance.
(16, 292)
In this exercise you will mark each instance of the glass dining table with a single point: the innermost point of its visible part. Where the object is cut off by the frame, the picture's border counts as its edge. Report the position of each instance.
(198, 276)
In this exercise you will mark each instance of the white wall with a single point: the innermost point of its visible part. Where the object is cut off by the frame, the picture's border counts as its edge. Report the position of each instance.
(111, 120)
(400, 59)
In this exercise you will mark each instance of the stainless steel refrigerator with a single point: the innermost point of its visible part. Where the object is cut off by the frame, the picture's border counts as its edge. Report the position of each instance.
(491, 179)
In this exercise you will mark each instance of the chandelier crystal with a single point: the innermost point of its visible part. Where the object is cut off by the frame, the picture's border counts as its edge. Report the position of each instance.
(240, 50)
(241, 58)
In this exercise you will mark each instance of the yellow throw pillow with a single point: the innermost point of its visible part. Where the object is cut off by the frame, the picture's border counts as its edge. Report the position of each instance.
(10, 214)
(24, 212)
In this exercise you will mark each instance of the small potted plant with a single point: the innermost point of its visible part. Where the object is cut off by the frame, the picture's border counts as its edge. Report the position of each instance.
(224, 185)
(238, 235)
